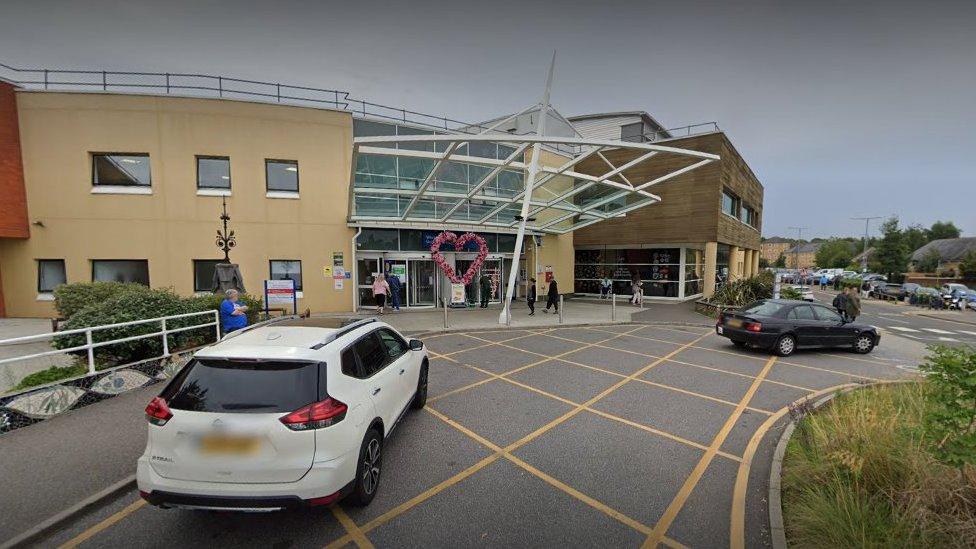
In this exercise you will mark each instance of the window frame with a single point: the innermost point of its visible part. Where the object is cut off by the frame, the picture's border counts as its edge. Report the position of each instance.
(193, 263)
(818, 308)
(94, 171)
(267, 180)
(64, 269)
(230, 180)
(736, 204)
(300, 283)
(146, 261)
(405, 347)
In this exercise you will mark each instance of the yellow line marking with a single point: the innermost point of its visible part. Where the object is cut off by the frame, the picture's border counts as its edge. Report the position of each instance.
(737, 527)
(107, 523)
(350, 525)
(661, 528)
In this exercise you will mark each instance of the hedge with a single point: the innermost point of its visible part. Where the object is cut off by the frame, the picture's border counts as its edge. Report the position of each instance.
(72, 298)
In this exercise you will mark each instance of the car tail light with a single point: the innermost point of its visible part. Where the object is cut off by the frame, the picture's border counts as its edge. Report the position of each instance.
(753, 326)
(157, 412)
(316, 415)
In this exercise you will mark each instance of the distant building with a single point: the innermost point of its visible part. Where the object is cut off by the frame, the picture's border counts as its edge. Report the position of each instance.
(802, 256)
(773, 247)
(951, 252)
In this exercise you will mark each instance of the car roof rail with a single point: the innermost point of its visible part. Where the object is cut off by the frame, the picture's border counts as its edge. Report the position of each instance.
(261, 324)
(342, 331)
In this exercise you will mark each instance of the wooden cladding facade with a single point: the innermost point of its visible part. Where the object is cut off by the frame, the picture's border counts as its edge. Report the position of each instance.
(690, 210)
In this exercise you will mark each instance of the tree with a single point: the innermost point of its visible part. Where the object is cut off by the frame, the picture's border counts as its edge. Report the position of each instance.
(891, 254)
(834, 253)
(763, 263)
(967, 267)
(943, 229)
(929, 262)
(916, 236)
(780, 261)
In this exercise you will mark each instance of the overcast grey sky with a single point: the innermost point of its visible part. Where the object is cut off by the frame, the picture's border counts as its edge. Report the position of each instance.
(841, 108)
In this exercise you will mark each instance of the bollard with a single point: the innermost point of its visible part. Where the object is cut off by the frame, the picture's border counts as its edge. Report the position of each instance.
(613, 307)
(165, 339)
(91, 351)
(560, 308)
(508, 317)
(445, 314)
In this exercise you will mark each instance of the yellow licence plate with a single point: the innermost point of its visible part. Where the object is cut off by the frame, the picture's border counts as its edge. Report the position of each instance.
(734, 323)
(228, 445)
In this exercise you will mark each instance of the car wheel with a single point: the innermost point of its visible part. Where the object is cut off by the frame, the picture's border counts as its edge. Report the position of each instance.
(739, 344)
(420, 397)
(863, 344)
(368, 470)
(785, 346)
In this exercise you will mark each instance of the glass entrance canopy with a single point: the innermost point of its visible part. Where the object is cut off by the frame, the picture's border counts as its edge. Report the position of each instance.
(403, 176)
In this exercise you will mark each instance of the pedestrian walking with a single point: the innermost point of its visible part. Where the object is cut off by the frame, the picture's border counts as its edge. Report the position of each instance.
(606, 285)
(636, 290)
(853, 306)
(395, 286)
(840, 303)
(824, 280)
(552, 296)
(484, 284)
(530, 298)
(381, 288)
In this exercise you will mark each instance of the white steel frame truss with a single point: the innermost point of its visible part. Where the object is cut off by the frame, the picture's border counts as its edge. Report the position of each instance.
(588, 214)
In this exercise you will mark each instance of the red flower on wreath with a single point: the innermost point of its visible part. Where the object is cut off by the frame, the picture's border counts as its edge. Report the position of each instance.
(459, 243)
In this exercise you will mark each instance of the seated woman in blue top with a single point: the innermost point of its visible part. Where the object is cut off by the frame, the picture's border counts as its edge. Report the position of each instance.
(232, 316)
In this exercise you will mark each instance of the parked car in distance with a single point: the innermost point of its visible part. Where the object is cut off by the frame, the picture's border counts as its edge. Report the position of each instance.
(849, 274)
(806, 292)
(281, 416)
(955, 290)
(784, 325)
(887, 290)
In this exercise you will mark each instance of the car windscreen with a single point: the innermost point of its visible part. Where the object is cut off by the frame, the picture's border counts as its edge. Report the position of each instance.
(243, 386)
(762, 308)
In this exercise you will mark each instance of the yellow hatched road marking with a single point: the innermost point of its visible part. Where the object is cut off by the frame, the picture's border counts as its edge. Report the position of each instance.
(350, 525)
(661, 528)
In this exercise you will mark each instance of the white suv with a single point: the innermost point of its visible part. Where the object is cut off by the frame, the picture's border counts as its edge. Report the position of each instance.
(280, 417)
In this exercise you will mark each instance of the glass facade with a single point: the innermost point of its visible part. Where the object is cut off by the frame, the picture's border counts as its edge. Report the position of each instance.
(694, 271)
(416, 240)
(659, 270)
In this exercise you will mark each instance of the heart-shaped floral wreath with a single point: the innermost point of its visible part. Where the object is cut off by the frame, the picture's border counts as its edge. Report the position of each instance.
(459, 243)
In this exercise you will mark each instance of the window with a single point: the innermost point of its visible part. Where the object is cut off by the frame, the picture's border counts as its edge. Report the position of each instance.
(50, 273)
(632, 132)
(121, 169)
(803, 312)
(282, 175)
(213, 172)
(350, 364)
(121, 270)
(394, 344)
(203, 274)
(287, 269)
(239, 387)
(730, 203)
(826, 315)
(748, 216)
(372, 355)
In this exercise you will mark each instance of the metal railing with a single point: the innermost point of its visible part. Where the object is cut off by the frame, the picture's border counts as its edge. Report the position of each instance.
(681, 131)
(90, 344)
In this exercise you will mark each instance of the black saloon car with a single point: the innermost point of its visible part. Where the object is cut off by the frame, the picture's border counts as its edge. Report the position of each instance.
(785, 325)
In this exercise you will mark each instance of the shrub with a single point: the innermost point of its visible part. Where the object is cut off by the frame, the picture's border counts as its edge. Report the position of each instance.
(951, 371)
(789, 292)
(211, 302)
(744, 291)
(851, 283)
(129, 306)
(71, 298)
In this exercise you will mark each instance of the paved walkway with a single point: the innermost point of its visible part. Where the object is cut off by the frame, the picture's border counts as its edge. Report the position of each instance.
(12, 373)
(614, 435)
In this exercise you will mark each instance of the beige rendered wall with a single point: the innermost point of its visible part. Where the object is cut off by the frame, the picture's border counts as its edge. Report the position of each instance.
(173, 226)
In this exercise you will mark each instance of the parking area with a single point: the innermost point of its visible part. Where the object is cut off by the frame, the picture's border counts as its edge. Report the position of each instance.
(623, 435)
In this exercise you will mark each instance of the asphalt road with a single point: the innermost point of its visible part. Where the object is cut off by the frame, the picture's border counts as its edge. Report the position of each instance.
(578, 436)
(903, 320)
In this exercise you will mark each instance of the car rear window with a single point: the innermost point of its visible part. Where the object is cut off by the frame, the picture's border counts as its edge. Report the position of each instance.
(238, 386)
(763, 308)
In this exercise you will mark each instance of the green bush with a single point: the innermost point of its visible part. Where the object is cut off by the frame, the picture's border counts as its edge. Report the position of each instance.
(744, 291)
(71, 298)
(851, 283)
(789, 292)
(951, 372)
(50, 375)
(129, 306)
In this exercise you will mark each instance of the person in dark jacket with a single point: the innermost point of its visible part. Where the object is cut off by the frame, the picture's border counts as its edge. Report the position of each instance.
(840, 303)
(552, 297)
(395, 285)
(485, 286)
(530, 298)
(853, 305)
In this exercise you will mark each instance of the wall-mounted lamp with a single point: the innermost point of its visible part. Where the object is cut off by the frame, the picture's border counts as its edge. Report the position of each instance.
(38, 223)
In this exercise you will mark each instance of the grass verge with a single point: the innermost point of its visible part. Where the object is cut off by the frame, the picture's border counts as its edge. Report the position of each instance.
(859, 473)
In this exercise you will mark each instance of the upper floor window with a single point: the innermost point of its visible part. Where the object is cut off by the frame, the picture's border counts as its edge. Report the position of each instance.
(730, 203)
(748, 216)
(287, 269)
(282, 175)
(632, 132)
(121, 169)
(50, 274)
(203, 274)
(213, 172)
(121, 270)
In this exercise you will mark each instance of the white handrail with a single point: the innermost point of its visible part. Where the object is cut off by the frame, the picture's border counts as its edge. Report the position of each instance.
(90, 345)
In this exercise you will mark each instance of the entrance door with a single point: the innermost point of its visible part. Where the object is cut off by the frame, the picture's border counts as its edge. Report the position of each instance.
(423, 283)
(366, 268)
(399, 266)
